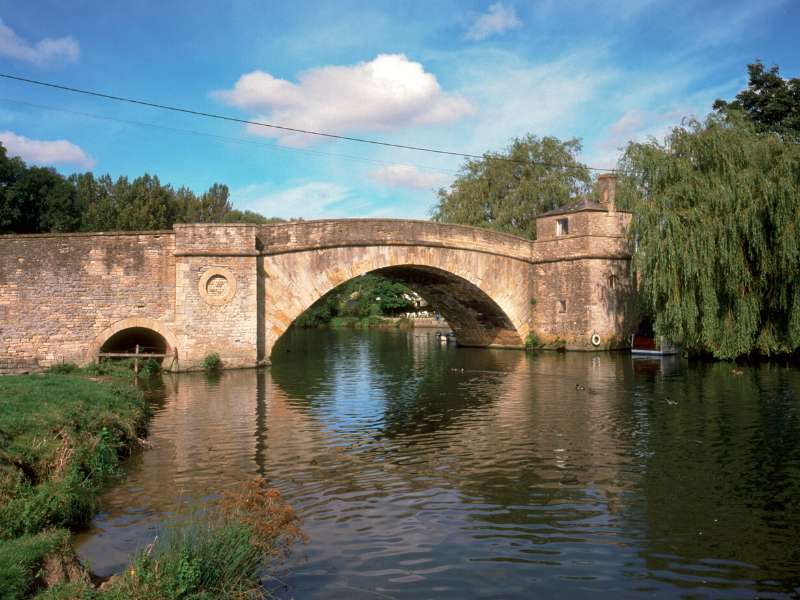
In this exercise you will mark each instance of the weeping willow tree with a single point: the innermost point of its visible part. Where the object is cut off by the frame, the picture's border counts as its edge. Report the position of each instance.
(717, 228)
(506, 190)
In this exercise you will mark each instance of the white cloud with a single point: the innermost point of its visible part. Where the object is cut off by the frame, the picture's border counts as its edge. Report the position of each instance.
(628, 123)
(651, 110)
(518, 97)
(635, 125)
(384, 94)
(310, 200)
(43, 52)
(409, 176)
(498, 19)
(45, 152)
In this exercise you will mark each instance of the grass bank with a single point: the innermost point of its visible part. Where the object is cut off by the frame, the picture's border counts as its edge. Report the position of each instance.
(62, 437)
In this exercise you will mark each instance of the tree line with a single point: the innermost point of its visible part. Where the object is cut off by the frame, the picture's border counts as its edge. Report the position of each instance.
(40, 200)
(716, 215)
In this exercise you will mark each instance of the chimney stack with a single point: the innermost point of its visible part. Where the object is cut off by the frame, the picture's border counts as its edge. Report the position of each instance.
(607, 185)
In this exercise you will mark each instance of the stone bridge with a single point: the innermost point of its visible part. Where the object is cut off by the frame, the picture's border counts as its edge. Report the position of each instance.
(235, 289)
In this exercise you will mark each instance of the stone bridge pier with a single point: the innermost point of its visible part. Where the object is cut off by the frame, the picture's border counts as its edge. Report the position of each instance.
(234, 289)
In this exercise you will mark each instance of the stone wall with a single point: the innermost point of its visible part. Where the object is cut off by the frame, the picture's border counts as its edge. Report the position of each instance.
(582, 280)
(59, 293)
(217, 294)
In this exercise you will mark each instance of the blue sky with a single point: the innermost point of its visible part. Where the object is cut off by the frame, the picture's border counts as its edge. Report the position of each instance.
(464, 76)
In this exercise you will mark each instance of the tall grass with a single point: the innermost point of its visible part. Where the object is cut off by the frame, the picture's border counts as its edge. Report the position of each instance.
(217, 554)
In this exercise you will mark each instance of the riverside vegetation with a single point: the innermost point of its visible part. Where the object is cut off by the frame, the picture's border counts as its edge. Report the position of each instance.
(62, 437)
(362, 302)
(716, 216)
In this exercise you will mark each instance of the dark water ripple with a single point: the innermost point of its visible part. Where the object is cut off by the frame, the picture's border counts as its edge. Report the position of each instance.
(424, 471)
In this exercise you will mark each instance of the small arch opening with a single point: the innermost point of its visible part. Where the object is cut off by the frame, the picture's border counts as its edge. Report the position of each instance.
(127, 340)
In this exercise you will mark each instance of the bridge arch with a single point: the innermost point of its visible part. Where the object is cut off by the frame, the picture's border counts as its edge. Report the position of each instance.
(135, 330)
(478, 293)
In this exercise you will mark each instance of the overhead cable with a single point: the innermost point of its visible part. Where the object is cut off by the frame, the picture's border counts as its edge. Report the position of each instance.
(200, 113)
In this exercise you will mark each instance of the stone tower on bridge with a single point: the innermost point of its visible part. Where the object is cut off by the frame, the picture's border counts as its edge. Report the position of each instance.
(235, 289)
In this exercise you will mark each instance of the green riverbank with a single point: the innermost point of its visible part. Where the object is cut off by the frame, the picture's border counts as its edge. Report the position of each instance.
(62, 438)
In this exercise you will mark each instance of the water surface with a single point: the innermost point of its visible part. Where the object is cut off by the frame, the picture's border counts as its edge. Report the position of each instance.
(426, 471)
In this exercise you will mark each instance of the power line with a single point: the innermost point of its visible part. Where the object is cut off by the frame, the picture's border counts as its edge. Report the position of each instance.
(224, 138)
(279, 127)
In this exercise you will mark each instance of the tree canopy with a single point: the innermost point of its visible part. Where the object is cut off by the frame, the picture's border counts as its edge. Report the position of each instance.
(717, 224)
(770, 101)
(40, 200)
(506, 190)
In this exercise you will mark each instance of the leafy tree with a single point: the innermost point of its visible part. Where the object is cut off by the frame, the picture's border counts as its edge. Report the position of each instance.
(391, 296)
(770, 101)
(143, 204)
(506, 190)
(717, 222)
(248, 216)
(215, 203)
(37, 199)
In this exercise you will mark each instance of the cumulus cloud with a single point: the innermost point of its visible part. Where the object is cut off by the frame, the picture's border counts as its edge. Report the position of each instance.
(498, 19)
(384, 94)
(42, 53)
(45, 152)
(409, 176)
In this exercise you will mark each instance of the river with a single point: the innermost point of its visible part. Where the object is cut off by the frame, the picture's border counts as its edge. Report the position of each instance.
(429, 471)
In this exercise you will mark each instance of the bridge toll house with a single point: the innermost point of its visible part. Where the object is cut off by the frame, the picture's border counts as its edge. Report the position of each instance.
(235, 289)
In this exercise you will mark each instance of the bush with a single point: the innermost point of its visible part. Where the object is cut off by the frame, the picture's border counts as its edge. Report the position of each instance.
(217, 554)
(150, 366)
(115, 368)
(21, 560)
(532, 342)
(212, 362)
(337, 322)
(372, 321)
(404, 323)
(64, 368)
(318, 315)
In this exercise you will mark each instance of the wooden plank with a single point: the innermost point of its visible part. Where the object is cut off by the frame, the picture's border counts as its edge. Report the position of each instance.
(130, 355)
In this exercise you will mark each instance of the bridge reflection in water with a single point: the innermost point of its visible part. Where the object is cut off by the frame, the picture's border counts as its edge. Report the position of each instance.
(423, 470)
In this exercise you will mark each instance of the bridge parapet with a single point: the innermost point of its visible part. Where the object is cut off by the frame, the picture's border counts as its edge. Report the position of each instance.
(298, 236)
(216, 239)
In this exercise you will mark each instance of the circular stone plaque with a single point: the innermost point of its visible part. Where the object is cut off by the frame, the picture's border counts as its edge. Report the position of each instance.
(217, 285)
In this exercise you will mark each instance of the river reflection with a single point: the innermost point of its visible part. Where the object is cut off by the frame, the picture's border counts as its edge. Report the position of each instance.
(430, 471)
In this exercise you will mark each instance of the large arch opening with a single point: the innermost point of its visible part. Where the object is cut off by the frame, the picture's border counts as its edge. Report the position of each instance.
(475, 318)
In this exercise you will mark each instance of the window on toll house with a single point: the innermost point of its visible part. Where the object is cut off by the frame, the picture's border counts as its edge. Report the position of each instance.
(562, 226)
